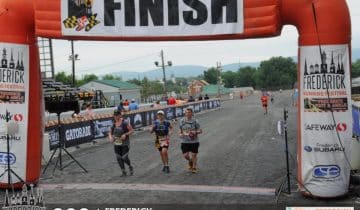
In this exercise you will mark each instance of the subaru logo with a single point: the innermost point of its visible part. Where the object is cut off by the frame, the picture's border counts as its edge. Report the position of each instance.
(326, 171)
(307, 148)
(4, 158)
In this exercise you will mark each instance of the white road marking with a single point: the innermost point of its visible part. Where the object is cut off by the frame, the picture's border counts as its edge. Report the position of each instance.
(162, 187)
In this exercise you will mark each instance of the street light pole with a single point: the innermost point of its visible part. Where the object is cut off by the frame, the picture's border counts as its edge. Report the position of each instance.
(163, 68)
(218, 67)
(73, 57)
(73, 63)
(169, 63)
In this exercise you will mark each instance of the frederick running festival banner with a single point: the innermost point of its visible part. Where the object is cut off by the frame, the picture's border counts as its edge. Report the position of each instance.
(326, 126)
(14, 92)
(151, 18)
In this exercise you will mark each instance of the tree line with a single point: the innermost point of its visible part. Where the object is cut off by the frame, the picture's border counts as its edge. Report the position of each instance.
(272, 74)
(275, 73)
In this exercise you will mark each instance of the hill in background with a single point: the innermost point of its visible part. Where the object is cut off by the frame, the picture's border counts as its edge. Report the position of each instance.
(196, 70)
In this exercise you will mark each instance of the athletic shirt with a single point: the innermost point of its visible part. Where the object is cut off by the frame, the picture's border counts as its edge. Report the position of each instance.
(264, 100)
(118, 131)
(161, 128)
(186, 126)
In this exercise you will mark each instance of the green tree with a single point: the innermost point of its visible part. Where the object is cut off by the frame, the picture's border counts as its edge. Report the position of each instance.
(111, 77)
(135, 81)
(355, 69)
(87, 78)
(211, 75)
(246, 77)
(64, 78)
(229, 78)
(278, 72)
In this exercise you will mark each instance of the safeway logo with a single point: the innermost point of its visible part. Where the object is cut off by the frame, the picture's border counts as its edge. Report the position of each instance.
(340, 127)
(15, 117)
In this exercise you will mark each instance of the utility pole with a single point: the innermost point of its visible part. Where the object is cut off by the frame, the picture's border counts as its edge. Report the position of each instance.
(73, 57)
(169, 63)
(218, 68)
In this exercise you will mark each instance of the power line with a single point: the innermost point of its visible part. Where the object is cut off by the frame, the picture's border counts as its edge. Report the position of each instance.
(112, 64)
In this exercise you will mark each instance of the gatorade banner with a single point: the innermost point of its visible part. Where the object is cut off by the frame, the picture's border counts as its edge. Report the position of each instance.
(53, 137)
(137, 121)
(74, 134)
(326, 125)
(170, 113)
(102, 127)
(151, 18)
(14, 92)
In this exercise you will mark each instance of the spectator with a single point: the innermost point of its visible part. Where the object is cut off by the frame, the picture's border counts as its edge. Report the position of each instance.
(133, 106)
(200, 97)
(171, 101)
(156, 104)
(89, 112)
(76, 115)
(191, 99)
(295, 97)
(206, 97)
(126, 102)
(121, 108)
(231, 96)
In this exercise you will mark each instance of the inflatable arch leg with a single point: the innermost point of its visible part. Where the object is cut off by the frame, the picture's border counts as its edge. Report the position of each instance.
(324, 82)
(20, 92)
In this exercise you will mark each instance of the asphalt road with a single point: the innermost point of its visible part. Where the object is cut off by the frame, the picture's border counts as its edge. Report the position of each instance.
(241, 161)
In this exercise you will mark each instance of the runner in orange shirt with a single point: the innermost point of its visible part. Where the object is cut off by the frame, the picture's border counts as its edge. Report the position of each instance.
(264, 101)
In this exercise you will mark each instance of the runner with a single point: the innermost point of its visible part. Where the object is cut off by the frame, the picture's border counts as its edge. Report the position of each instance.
(163, 130)
(119, 135)
(189, 130)
(264, 101)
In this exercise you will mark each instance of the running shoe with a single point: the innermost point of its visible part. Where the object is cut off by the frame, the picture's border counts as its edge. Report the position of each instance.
(163, 169)
(123, 174)
(190, 165)
(131, 169)
(167, 169)
(194, 170)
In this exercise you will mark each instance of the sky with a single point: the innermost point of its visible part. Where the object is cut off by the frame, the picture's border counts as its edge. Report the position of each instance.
(106, 57)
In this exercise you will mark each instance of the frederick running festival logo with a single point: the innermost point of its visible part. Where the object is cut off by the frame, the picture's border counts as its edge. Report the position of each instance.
(80, 15)
(26, 200)
(324, 85)
(12, 76)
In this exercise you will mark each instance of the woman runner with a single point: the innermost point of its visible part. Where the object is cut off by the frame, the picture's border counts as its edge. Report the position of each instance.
(163, 130)
(119, 135)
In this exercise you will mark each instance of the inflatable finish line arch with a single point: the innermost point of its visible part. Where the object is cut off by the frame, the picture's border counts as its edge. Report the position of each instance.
(324, 65)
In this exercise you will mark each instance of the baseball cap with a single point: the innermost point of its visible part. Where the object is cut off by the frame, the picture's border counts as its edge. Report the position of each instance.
(190, 108)
(133, 99)
(160, 112)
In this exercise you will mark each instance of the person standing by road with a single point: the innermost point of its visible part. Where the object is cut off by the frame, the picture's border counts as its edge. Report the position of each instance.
(163, 130)
(189, 131)
(119, 136)
(133, 106)
(89, 112)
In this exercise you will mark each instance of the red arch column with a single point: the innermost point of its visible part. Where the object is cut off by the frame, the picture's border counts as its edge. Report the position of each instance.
(324, 137)
(21, 93)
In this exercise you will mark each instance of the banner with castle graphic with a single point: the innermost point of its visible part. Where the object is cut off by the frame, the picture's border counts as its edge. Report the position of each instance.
(144, 18)
(326, 125)
(14, 93)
